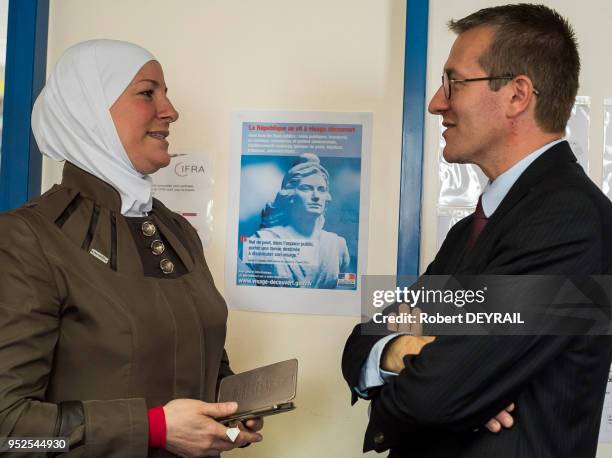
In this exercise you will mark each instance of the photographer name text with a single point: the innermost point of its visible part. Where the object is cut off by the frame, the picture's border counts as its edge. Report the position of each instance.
(439, 318)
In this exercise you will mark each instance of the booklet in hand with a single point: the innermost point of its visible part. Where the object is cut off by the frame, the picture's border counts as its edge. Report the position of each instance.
(260, 392)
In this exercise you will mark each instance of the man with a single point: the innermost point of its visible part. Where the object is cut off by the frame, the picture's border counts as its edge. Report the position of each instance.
(508, 88)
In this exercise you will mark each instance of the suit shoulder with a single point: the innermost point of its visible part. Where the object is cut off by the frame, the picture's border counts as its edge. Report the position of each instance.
(572, 190)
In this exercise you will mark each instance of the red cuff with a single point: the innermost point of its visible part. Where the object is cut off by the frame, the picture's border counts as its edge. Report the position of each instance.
(157, 427)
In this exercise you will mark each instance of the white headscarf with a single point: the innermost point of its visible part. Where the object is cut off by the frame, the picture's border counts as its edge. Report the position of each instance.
(71, 119)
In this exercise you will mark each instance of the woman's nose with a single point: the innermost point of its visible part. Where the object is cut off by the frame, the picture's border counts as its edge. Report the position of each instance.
(167, 111)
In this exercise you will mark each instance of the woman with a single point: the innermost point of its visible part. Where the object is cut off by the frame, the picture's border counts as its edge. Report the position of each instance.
(107, 308)
(298, 214)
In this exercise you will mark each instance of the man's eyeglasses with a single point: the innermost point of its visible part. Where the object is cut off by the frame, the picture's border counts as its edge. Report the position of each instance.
(447, 82)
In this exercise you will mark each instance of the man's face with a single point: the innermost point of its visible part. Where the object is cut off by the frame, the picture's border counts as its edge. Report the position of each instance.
(474, 117)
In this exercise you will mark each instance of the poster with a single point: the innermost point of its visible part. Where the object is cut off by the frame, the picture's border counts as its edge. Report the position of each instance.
(577, 130)
(605, 430)
(606, 186)
(298, 215)
(185, 186)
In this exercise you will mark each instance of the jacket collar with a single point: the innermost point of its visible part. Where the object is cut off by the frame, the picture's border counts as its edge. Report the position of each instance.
(91, 187)
(557, 155)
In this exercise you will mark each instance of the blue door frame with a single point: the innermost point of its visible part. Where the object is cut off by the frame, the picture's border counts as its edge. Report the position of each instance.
(413, 129)
(26, 59)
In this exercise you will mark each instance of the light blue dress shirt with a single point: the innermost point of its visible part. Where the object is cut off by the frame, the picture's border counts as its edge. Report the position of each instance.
(494, 192)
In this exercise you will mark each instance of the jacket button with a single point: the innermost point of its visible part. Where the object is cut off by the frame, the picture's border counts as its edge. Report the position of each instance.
(157, 247)
(379, 438)
(148, 228)
(166, 266)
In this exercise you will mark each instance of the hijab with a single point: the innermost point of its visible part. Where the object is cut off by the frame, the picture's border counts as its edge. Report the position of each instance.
(71, 120)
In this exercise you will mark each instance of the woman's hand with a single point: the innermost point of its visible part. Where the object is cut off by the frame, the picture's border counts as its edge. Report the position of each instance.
(255, 424)
(191, 430)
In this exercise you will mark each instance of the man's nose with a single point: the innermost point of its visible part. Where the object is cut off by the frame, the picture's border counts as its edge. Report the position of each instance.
(438, 103)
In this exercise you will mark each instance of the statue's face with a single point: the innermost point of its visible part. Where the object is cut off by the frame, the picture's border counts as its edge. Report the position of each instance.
(311, 195)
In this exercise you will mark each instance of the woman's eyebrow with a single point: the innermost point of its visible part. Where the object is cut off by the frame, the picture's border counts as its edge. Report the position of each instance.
(147, 80)
(153, 82)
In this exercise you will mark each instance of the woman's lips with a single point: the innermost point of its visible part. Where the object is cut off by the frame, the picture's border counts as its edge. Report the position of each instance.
(159, 135)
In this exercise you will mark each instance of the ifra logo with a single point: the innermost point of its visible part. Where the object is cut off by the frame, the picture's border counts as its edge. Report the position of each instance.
(182, 169)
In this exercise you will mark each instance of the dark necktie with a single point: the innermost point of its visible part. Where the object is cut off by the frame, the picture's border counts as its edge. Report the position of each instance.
(479, 221)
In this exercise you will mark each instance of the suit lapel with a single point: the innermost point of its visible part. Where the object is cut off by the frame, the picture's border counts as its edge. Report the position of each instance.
(452, 250)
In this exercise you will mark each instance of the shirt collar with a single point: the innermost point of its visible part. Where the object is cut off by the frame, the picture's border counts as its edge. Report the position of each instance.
(495, 191)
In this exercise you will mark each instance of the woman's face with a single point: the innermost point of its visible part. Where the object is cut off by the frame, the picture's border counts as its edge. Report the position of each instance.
(142, 115)
(311, 195)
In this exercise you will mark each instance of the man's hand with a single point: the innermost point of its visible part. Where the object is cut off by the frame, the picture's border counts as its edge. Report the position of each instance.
(392, 359)
(191, 430)
(413, 325)
(393, 355)
(501, 419)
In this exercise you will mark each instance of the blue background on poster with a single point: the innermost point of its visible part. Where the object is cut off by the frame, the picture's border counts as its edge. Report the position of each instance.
(261, 177)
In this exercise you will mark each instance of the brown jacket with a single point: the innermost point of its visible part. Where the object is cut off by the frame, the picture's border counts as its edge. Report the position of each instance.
(86, 314)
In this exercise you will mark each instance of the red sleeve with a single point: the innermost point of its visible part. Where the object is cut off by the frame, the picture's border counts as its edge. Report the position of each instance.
(157, 427)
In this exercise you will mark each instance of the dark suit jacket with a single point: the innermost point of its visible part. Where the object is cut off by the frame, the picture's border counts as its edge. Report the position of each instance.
(554, 220)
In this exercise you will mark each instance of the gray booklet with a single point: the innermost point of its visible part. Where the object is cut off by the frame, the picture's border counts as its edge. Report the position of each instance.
(260, 392)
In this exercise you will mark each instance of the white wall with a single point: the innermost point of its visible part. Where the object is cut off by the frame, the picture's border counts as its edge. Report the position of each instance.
(224, 55)
(336, 55)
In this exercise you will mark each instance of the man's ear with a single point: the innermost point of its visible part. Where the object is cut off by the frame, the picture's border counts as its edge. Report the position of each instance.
(521, 95)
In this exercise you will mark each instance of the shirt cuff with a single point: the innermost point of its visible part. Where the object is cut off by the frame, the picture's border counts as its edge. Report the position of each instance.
(157, 427)
(371, 373)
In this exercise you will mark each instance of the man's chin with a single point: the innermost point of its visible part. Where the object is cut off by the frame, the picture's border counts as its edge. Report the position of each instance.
(453, 157)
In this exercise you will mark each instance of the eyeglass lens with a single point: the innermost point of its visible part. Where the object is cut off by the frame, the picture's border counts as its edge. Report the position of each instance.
(446, 85)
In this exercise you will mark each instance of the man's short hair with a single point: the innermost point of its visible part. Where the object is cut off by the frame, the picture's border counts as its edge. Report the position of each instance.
(535, 41)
